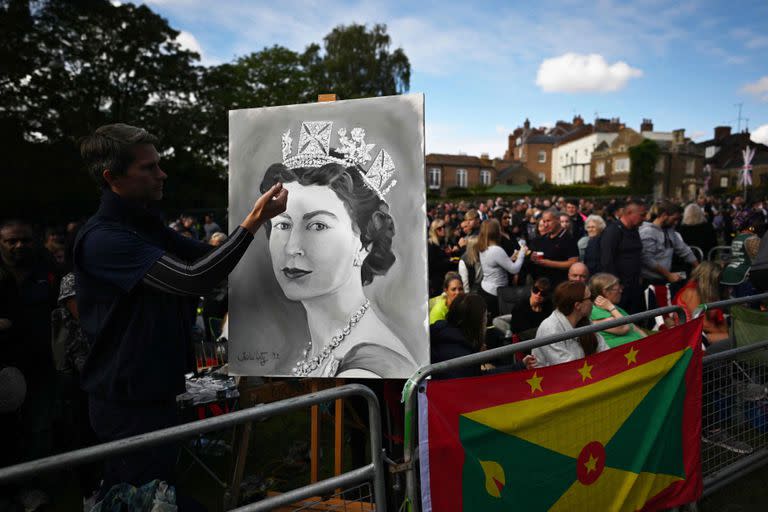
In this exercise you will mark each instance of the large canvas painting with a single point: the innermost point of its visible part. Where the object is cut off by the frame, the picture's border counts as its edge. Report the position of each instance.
(337, 285)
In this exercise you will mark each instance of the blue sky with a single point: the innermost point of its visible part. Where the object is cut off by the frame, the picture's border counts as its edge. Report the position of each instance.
(486, 66)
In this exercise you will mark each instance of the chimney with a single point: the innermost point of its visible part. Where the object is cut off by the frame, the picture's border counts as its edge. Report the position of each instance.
(646, 126)
(578, 121)
(527, 124)
(678, 136)
(509, 154)
(484, 156)
(722, 132)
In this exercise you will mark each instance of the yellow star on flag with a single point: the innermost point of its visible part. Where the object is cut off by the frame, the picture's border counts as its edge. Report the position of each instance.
(631, 356)
(535, 382)
(585, 371)
(591, 464)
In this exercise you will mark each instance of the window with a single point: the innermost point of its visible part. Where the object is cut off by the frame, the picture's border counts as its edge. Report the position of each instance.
(724, 182)
(542, 156)
(600, 169)
(485, 177)
(461, 178)
(621, 165)
(434, 178)
(690, 167)
(543, 177)
(711, 151)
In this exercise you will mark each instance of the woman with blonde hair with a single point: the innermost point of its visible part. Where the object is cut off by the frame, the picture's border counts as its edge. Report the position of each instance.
(695, 229)
(606, 290)
(438, 261)
(496, 264)
(703, 288)
(470, 270)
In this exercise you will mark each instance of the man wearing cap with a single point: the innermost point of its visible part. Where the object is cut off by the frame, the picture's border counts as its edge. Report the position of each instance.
(137, 282)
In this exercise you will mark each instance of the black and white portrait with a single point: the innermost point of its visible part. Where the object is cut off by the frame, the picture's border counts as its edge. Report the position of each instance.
(335, 286)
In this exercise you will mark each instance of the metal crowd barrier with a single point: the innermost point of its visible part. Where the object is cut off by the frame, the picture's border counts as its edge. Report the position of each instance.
(735, 407)
(371, 472)
(414, 383)
(735, 415)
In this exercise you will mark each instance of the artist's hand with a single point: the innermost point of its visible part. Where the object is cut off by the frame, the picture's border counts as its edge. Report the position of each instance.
(271, 203)
(603, 303)
(530, 362)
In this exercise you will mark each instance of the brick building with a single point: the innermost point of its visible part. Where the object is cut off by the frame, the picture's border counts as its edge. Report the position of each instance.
(572, 153)
(680, 168)
(445, 172)
(723, 155)
(532, 147)
(610, 160)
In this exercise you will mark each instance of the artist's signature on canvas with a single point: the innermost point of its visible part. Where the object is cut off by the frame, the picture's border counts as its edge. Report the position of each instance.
(262, 358)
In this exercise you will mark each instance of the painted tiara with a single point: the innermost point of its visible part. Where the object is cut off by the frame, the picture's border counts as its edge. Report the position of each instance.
(315, 150)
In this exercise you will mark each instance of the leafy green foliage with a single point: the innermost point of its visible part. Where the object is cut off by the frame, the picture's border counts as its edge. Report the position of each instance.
(643, 158)
(70, 67)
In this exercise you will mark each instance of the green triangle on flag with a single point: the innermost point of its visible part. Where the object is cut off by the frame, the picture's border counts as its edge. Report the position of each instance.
(503, 472)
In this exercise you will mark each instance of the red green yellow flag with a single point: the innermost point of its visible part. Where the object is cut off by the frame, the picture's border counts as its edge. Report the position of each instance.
(618, 430)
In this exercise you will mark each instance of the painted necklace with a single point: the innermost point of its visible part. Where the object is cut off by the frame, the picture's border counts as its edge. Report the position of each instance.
(306, 366)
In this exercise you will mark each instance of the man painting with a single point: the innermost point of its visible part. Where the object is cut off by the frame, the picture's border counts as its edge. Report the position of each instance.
(135, 282)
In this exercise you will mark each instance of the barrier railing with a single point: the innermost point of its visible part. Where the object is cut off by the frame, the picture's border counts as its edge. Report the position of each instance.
(371, 472)
(735, 407)
(414, 382)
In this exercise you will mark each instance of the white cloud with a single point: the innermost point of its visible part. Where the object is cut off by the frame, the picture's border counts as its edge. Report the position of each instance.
(759, 88)
(697, 135)
(189, 42)
(573, 72)
(760, 135)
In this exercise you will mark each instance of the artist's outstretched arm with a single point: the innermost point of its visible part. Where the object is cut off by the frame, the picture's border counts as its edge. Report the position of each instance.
(172, 275)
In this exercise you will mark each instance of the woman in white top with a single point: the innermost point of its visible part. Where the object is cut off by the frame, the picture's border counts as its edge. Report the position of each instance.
(496, 264)
(573, 305)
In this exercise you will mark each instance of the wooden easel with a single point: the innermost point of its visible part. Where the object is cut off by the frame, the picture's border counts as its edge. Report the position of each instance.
(232, 497)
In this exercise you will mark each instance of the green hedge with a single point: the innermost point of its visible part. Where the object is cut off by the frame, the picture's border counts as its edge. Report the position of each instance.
(579, 190)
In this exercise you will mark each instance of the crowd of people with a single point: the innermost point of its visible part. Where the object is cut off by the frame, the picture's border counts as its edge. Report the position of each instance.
(548, 265)
(500, 271)
(43, 409)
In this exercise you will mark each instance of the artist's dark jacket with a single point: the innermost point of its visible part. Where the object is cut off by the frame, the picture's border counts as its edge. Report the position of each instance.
(140, 336)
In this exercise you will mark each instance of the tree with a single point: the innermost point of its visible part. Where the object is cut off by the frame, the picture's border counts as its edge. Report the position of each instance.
(69, 67)
(357, 63)
(270, 77)
(74, 67)
(643, 158)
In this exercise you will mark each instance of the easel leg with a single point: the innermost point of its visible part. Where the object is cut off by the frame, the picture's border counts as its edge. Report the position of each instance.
(232, 497)
(338, 437)
(314, 440)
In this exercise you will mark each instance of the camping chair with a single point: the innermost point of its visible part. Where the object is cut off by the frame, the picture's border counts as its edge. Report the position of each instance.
(698, 252)
(720, 253)
(657, 296)
(749, 326)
